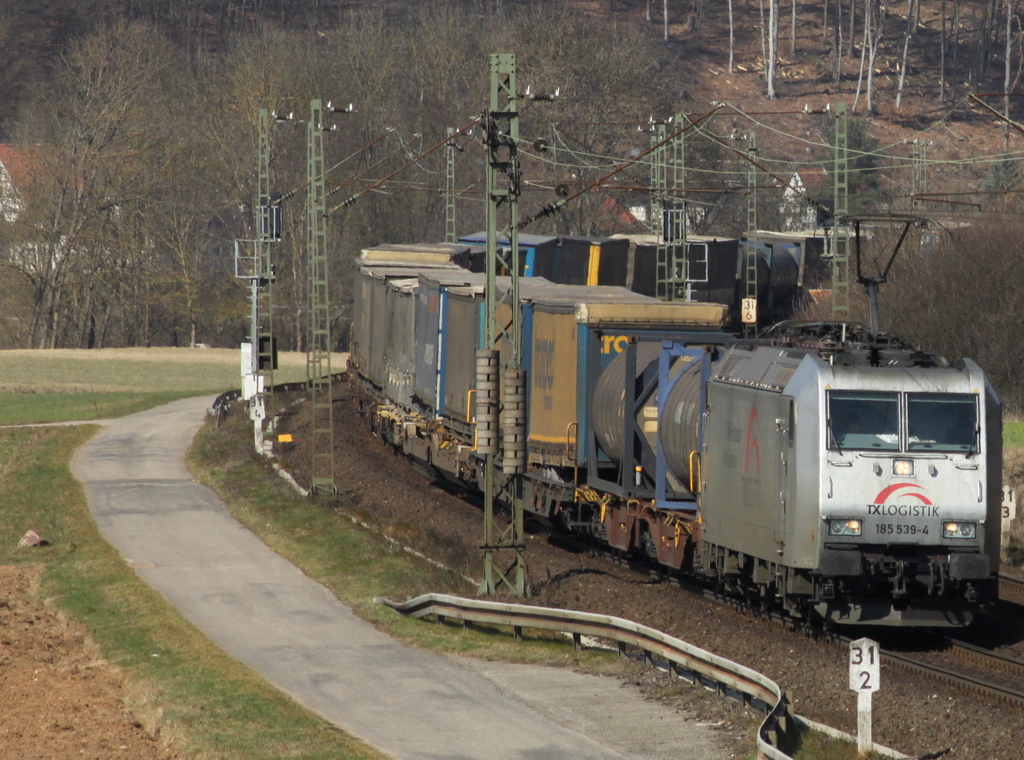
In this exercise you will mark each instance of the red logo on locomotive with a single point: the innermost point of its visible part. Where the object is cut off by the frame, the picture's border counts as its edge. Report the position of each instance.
(885, 493)
(752, 443)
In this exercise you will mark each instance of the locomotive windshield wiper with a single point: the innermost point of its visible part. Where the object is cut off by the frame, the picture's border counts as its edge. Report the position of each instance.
(974, 447)
(832, 438)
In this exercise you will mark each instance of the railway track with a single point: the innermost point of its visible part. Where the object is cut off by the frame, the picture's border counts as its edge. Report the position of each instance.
(1011, 589)
(971, 654)
(977, 656)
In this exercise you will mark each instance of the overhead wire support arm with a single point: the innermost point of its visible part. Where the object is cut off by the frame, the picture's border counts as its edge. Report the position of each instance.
(561, 203)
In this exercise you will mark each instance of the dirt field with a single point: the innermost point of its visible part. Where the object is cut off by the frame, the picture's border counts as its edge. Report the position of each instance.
(60, 700)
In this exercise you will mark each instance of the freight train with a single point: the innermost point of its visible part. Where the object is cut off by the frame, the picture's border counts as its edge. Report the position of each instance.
(822, 470)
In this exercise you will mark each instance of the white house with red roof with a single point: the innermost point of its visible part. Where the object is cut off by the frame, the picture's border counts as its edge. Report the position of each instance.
(13, 174)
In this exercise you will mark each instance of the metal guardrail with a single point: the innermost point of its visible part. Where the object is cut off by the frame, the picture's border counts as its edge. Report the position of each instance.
(219, 407)
(683, 659)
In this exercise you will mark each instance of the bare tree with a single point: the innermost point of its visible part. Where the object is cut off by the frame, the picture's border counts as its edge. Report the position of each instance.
(853, 28)
(874, 20)
(106, 120)
(792, 27)
(773, 47)
(837, 47)
(934, 295)
(942, 55)
(769, 44)
(911, 24)
(956, 48)
(732, 37)
(1008, 60)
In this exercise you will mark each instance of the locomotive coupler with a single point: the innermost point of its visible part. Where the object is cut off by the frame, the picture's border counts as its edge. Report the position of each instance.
(938, 578)
(899, 581)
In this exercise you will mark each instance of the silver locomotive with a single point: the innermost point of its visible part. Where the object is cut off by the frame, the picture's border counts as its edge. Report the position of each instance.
(860, 484)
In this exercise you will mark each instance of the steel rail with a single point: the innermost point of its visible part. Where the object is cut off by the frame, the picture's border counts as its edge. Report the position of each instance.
(987, 658)
(963, 650)
(683, 658)
(960, 680)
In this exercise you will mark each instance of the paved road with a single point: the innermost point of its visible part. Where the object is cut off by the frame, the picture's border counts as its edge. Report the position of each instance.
(261, 610)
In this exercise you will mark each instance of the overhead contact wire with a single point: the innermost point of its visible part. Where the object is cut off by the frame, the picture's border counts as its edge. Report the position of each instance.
(405, 166)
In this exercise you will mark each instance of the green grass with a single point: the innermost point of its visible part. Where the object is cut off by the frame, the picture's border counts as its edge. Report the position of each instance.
(60, 372)
(68, 384)
(358, 565)
(1013, 435)
(210, 704)
(812, 745)
(18, 408)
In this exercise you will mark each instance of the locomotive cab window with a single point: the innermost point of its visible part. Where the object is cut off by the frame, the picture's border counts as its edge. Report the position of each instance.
(942, 422)
(863, 421)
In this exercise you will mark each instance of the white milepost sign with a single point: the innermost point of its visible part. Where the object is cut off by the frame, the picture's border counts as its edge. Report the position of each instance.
(1009, 510)
(748, 311)
(864, 679)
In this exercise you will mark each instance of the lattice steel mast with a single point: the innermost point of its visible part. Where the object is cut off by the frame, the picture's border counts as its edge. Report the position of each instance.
(668, 212)
(749, 307)
(269, 230)
(318, 332)
(500, 352)
(257, 268)
(918, 153)
(449, 188)
(840, 254)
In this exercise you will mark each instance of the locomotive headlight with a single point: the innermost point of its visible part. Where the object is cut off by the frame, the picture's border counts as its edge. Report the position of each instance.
(960, 530)
(845, 527)
(903, 467)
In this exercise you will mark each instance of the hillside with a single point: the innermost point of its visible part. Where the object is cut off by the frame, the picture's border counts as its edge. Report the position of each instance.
(154, 235)
(962, 138)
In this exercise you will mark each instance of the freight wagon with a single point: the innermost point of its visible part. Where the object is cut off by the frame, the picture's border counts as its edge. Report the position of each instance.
(537, 253)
